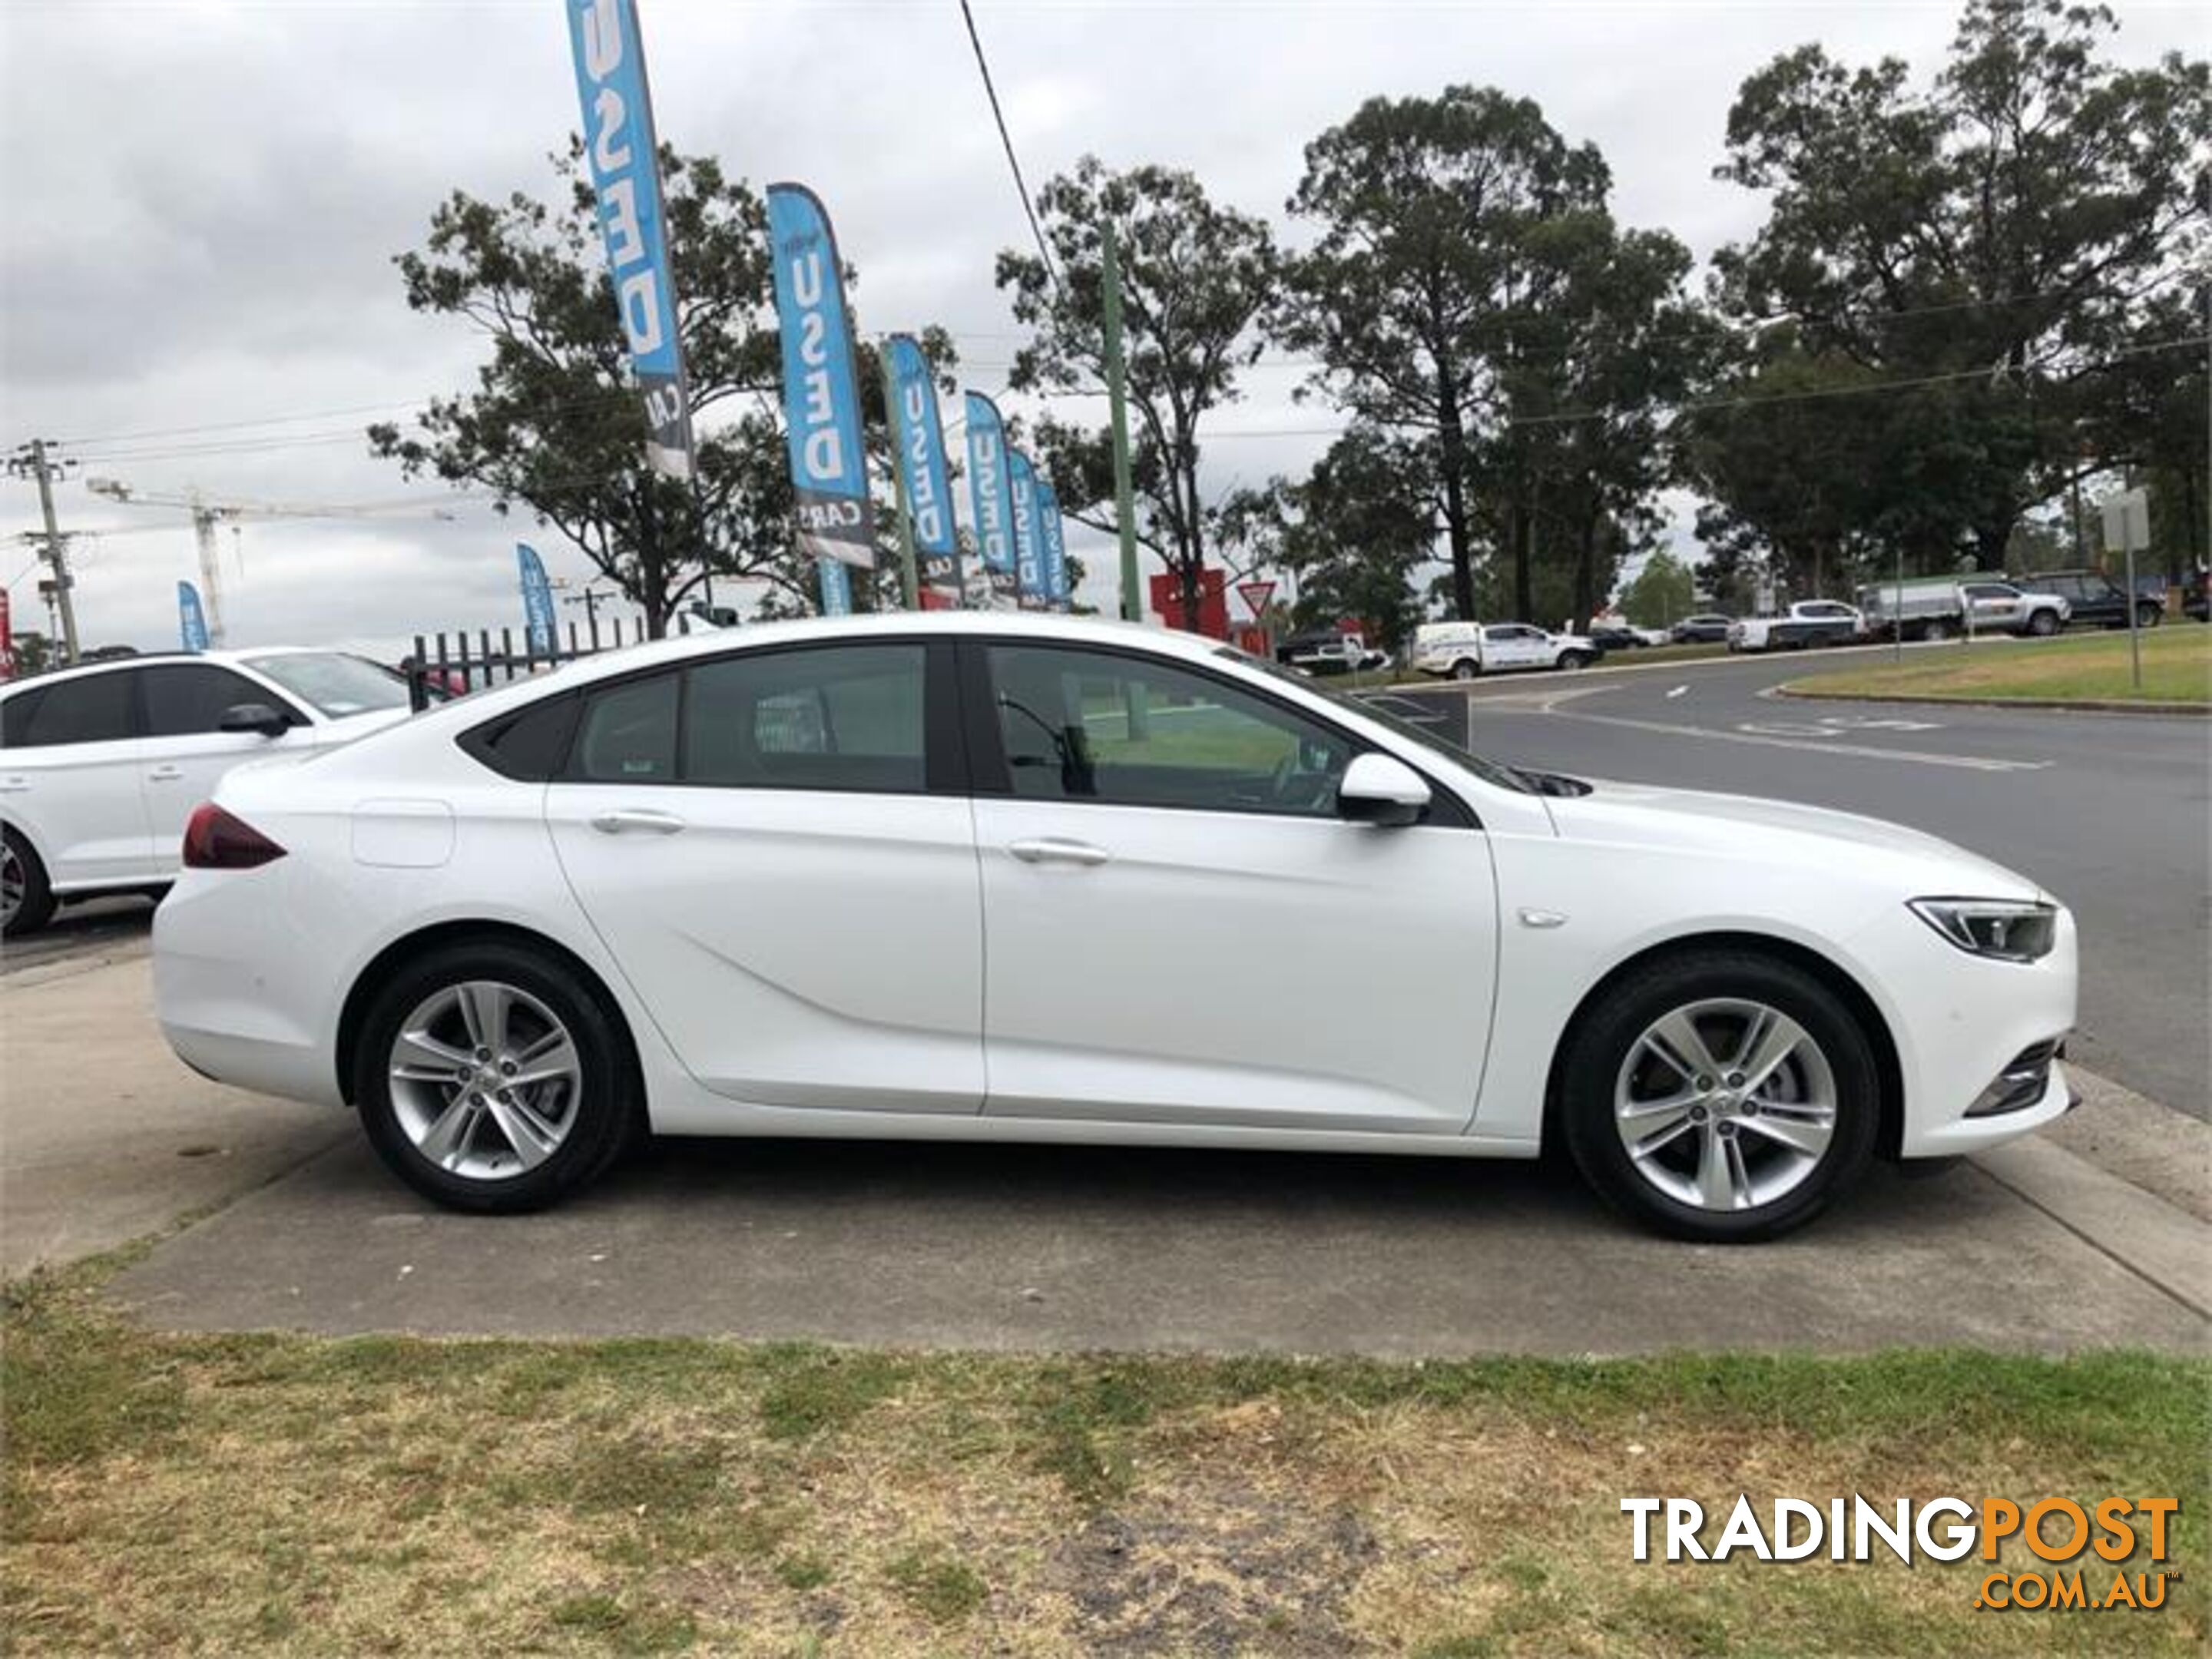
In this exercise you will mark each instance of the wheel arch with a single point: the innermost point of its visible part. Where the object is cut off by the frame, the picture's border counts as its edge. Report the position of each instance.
(1887, 1067)
(380, 968)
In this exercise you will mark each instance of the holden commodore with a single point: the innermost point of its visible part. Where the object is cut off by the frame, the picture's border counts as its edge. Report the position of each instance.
(989, 878)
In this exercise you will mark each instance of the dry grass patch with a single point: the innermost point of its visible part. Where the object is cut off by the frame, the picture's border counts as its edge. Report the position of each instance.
(213, 1494)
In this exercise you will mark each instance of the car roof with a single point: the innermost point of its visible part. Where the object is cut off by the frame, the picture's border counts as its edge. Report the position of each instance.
(167, 659)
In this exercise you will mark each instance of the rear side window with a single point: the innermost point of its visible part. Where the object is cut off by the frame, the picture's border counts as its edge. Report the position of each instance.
(529, 746)
(185, 699)
(629, 734)
(839, 717)
(94, 710)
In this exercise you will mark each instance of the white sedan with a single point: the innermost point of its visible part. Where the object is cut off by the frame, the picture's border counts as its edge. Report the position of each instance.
(983, 878)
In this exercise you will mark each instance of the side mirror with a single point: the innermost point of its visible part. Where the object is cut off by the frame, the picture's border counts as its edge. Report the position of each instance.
(1381, 789)
(254, 717)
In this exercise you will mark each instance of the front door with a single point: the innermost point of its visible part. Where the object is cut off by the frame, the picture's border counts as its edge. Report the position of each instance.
(184, 751)
(786, 873)
(1180, 929)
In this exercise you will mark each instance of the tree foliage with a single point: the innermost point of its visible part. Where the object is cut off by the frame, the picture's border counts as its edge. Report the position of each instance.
(1194, 276)
(1969, 279)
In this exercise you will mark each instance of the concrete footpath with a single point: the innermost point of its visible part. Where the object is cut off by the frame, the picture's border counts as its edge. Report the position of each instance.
(2036, 1248)
(104, 1137)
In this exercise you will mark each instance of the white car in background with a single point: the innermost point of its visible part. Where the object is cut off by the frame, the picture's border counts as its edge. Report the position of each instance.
(1806, 623)
(1464, 649)
(976, 877)
(101, 765)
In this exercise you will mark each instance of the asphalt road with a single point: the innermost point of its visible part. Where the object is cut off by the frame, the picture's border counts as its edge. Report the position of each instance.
(2110, 812)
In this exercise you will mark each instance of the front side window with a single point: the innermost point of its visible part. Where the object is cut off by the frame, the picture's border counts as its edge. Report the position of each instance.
(94, 709)
(835, 717)
(188, 699)
(334, 683)
(1097, 726)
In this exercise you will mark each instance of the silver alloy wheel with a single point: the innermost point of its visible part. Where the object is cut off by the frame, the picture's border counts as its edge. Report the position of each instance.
(14, 880)
(485, 1080)
(1725, 1104)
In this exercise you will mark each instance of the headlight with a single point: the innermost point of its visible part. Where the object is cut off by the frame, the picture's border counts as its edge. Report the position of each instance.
(2010, 930)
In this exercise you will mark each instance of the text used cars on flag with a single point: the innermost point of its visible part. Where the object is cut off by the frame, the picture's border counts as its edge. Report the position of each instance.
(991, 493)
(1055, 545)
(625, 163)
(820, 391)
(1028, 534)
(918, 431)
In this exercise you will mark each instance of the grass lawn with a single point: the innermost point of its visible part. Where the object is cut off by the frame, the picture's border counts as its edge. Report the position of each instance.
(2177, 668)
(218, 1493)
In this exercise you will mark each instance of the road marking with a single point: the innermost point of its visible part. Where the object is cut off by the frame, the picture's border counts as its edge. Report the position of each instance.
(1965, 763)
(1678, 691)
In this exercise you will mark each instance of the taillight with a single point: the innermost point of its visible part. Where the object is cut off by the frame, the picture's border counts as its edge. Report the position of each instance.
(214, 840)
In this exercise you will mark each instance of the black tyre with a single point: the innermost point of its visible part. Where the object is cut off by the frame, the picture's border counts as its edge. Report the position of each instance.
(1571, 660)
(1935, 632)
(495, 1078)
(2149, 616)
(1721, 1096)
(27, 901)
(1466, 669)
(2042, 623)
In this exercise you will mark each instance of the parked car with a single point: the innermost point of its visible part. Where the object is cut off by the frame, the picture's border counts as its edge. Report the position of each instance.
(1463, 650)
(1327, 651)
(1618, 636)
(744, 885)
(2093, 598)
(1807, 623)
(1944, 607)
(1707, 628)
(103, 763)
(2197, 596)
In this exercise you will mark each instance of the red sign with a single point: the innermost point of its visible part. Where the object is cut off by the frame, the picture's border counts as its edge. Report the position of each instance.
(1212, 604)
(939, 598)
(1255, 595)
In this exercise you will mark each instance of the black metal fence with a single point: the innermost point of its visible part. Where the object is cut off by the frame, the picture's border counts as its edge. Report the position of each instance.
(444, 666)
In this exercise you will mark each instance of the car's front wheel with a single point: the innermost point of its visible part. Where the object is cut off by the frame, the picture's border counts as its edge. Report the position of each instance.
(492, 1077)
(2043, 624)
(2149, 616)
(1466, 669)
(1725, 1096)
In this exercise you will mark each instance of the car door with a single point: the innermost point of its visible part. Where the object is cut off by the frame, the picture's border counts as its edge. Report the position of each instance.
(1167, 887)
(781, 858)
(69, 775)
(1502, 648)
(184, 751)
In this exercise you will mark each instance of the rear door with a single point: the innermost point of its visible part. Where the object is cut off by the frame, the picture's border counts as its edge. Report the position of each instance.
(776, 846)
(69, 775)
(183, 753)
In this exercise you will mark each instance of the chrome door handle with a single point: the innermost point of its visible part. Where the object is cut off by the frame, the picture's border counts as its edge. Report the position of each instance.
(165, 773)
(1058, 850)
(626, 819)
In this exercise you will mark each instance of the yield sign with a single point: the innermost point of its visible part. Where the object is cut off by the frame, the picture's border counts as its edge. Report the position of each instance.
(1256, 595)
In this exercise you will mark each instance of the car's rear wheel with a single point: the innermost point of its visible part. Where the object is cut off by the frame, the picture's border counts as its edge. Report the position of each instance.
(1466, 669)
(1935, 632)
(492, 1077)
(1725, 1097)
(27, 901)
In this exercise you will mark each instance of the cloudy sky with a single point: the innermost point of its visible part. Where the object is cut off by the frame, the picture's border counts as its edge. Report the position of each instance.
(205, 201)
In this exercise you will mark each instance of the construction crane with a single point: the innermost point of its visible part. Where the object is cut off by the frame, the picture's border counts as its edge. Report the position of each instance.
(208, 512)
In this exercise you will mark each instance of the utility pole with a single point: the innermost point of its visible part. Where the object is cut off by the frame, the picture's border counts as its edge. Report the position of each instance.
(33, 460)
(1125, 511)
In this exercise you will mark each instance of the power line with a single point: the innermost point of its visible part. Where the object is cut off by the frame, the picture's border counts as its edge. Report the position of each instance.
(1006, 139)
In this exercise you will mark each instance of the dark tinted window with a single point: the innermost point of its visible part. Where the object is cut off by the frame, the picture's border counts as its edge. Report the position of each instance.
(183, 699)
(94, 710)
(531, 744)
(629, 734)
(1092, 725)
(16, 717)
(837, 717)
